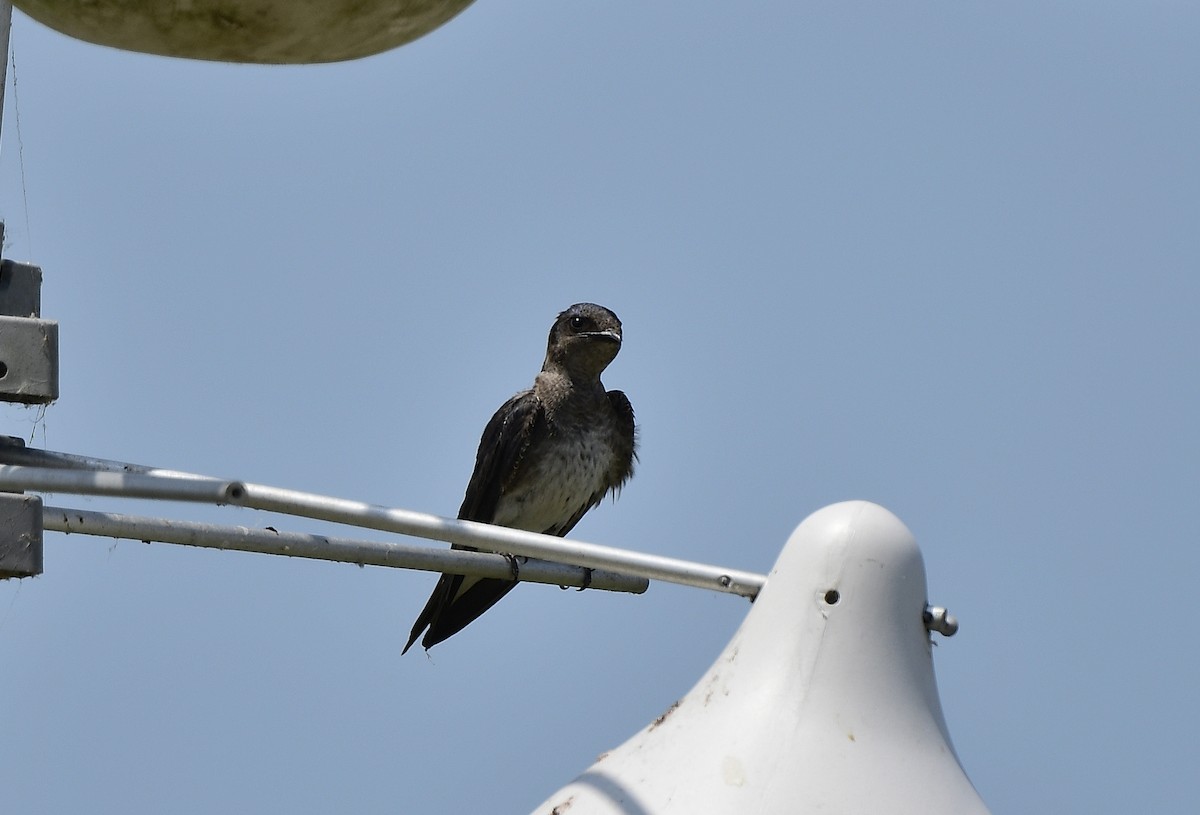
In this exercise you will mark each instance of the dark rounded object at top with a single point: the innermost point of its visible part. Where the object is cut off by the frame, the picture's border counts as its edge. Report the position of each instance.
(261, 31)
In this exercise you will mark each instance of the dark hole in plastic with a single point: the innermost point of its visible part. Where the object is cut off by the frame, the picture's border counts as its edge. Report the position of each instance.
(832, 596)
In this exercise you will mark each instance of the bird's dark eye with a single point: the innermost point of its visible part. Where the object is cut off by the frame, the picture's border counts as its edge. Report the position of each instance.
(578, 323)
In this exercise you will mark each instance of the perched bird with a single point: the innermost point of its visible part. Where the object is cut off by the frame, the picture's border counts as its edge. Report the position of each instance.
(549, 455)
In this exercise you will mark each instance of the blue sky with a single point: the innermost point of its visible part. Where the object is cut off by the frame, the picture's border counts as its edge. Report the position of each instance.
(941, 256)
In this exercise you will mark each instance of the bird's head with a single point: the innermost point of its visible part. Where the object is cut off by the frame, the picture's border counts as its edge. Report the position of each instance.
(584, 339)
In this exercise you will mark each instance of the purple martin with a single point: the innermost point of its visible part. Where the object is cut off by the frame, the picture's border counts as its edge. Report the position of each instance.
(549, 455)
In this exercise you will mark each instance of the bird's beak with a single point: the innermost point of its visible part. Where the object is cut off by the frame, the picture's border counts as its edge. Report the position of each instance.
(612, 335)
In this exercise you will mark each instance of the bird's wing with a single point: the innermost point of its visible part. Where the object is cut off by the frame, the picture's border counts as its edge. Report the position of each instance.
(505, 439)
(627, 432)
(457, 601)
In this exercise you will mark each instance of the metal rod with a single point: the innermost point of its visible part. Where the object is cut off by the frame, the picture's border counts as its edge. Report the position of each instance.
(14, 451)
(321, 547)
(5, 31)
(124, 485)
(421, 525)
(502, 539)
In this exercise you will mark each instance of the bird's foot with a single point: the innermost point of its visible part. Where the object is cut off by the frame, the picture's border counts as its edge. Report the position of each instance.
(587, 579)
(514, 567)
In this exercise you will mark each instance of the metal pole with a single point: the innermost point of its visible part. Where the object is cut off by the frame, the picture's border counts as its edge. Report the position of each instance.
(5, 30)
(124, 485)
(321, 547)
(405, 522)
(14, 451)
(502, 539)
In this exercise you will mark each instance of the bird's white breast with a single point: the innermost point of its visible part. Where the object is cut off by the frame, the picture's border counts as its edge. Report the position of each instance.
(560, 481)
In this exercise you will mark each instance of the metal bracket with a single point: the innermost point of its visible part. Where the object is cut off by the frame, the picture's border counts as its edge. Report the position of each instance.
(28, 360)
(20, 535)
(28, 344)
(20, 289)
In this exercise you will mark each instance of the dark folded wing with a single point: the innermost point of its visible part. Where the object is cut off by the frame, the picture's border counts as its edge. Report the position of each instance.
(457, 601)
(501, 449)
(627, 440)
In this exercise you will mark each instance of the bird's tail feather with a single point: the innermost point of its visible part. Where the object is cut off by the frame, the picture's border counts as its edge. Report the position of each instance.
(461, 611)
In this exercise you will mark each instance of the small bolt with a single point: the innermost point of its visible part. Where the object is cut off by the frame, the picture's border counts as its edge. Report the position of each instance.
(938, 619)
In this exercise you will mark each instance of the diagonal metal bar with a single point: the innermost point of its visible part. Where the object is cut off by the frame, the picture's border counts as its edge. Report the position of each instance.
(322, 547)
(14, 451)
(406, 522)
(123, 485)
(502, 539)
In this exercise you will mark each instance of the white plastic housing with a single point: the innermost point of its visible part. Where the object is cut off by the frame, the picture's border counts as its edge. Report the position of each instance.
(824, 701)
